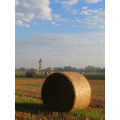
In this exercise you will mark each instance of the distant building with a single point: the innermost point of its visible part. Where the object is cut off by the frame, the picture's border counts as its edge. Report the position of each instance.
(49, 69)
(40, 64)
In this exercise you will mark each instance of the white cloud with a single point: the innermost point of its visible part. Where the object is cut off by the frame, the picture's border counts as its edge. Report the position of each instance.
(94, 18)
(84, 7)
(84, 13)
(62, 19)
(35, 23)
(16, 2)
(93, 1)
(55, 24)
(66, 49)
(89, 11)
(56, 16)
(67, 40)
(20, 23)
(59, 18)
(27, 10)
(69, 2)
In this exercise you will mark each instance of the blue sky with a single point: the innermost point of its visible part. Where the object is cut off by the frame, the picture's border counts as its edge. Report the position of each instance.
(62, 32)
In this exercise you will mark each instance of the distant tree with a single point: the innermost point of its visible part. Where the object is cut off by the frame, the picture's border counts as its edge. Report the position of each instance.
(57, 69)
(98, 69)
(32, 69)
(21, 69)
(103, 70)
(69, 68)
(80, 70)
(94, 69)
(90, 69)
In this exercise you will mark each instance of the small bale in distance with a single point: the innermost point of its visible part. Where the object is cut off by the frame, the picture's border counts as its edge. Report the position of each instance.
(30, 74)
(47, 73)
(66, 91)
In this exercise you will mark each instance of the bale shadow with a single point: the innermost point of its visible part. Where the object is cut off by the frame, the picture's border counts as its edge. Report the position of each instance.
(30, 107)
(34, 108)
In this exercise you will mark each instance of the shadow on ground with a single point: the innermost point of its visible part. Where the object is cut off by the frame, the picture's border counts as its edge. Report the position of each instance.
(29, 107)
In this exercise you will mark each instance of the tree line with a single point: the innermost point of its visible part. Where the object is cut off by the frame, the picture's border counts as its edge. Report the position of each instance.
(68, 68)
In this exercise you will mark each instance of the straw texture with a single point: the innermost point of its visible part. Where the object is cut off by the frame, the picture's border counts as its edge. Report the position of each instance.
(66, 91)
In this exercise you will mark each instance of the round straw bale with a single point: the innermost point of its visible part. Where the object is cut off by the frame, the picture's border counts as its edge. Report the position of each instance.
(30, 74)
(66, 91)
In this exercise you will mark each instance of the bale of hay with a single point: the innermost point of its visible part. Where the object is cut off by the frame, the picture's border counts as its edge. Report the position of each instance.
(66, 91)
(47, 73)
(30, 74)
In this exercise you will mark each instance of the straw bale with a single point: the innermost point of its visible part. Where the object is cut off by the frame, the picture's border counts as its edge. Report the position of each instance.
(47, 73)
(66, 91)
(30, 74)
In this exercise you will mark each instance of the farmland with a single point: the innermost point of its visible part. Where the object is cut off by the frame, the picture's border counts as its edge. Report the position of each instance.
(29, 106)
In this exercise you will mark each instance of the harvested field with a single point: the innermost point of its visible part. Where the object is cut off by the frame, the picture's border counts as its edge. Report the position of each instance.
(29, 105)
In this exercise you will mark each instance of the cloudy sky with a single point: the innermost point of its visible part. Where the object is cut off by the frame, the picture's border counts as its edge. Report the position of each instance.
(61, 32)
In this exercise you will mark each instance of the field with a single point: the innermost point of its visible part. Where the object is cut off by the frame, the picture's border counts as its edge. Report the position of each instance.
(29, 106)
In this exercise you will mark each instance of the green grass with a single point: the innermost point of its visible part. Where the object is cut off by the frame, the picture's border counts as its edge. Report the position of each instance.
(20, 99)
(23, 75)
(92, 114)
(89, 75)
(95, 76)
(31, 105)
(17, 95)
(34, 105)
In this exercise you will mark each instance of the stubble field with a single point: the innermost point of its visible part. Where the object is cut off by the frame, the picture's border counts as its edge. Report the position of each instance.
(29, 106)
